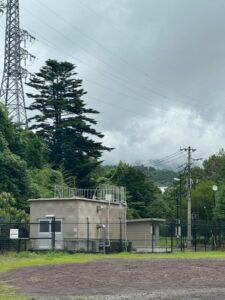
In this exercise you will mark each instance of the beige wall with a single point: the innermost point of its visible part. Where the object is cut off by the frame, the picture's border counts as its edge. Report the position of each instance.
(100, 213)
(140, 234)
(67, 211)
(74, 213)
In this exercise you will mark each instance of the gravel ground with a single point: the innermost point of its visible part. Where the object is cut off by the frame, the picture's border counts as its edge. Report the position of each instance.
(121, 279)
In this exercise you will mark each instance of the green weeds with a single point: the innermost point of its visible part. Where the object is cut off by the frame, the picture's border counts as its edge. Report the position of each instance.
(11, 261)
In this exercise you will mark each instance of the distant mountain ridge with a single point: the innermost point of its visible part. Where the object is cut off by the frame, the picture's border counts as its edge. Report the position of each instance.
(161, 177)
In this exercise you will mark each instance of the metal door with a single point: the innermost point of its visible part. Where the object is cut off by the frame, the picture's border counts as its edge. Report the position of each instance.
(45, 235)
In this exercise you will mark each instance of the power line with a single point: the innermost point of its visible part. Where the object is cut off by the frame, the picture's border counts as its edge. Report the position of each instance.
(102, 86)
(50, 44)
(125, 36)
(123, 79)
(167, 160)
(168, 156)
(171, 162)
(46, 42)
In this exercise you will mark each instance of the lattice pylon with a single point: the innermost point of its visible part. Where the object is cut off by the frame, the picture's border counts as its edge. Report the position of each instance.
(12, 93)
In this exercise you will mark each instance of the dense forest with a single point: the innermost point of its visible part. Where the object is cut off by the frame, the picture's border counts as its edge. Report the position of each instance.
(62, 147)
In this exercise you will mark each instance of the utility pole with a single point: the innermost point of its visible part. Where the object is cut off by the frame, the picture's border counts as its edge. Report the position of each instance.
(189, 150)
(11, 92)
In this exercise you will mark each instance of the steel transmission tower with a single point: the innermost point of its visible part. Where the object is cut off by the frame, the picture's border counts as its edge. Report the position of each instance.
(12, 92)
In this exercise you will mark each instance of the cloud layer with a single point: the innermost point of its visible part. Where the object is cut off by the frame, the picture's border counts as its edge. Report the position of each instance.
(154, 69)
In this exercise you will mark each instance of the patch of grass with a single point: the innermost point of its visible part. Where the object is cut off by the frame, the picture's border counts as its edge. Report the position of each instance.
(11, 261)
(8, 293)
(14, 297)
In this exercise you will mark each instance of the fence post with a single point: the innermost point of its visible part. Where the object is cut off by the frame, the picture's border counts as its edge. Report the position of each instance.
(88, 234)
(53, 233)
(9, 240)
(121, 235)
(195, 235)
(152, 237)
(220, 236)
(205, 241)
(181, 237)
(171, 236)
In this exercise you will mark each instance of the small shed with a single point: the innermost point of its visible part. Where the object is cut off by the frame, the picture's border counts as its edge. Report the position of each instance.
(144, 234)
(83, 221)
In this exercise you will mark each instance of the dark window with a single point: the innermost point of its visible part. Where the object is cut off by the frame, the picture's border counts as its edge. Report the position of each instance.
(44, 226)
(153, 229)
(58, 226)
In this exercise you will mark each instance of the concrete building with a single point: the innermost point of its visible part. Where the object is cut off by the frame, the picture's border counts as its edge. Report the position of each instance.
(83, 220)
(144, 234)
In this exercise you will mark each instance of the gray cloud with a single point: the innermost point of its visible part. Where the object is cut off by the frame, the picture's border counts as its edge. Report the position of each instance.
(154, 69)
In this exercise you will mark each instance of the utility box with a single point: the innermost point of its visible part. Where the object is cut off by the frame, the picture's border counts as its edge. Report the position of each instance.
(143, 234)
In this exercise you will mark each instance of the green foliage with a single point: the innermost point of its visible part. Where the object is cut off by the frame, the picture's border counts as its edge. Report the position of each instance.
(43, 181)
(170, 198)
(64, 121)
(197, 174)
(20, 150)
(202, 200)
(14, 178)
(141, 190)
(219, 210)
(3, 143)
(214, 167)
(30, 148)
(159, 208)
(8, 211)
(160, 177)
(7, 129)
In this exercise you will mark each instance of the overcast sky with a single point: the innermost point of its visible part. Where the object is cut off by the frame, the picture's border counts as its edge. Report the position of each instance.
(155, 69)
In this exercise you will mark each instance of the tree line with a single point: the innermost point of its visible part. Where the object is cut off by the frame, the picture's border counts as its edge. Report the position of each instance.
(63, 147)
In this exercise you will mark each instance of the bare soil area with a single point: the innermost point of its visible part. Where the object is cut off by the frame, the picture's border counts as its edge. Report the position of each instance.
(121, 279)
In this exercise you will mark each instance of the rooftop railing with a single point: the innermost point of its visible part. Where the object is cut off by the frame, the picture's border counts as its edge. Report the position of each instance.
(103, 192)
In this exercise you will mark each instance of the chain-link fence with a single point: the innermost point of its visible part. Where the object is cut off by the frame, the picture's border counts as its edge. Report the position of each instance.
(206, 236)
(113, 237)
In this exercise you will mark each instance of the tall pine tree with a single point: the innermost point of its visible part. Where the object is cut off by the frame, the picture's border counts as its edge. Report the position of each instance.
(64, 121)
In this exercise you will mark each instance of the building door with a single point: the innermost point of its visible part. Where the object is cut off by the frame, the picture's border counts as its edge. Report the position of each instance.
(45, 235)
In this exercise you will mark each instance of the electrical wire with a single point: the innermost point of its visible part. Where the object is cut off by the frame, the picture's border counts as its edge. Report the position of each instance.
(124, 61)
(169, 162)
(124, 95)
(126, 36)
(50, 44)
(168, 156)
(123, 79)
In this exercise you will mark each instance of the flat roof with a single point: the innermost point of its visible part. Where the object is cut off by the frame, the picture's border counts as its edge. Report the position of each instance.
(146, 220)
(75, 199)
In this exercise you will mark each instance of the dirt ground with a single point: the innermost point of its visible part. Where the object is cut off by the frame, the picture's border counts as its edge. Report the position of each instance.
(121, 279)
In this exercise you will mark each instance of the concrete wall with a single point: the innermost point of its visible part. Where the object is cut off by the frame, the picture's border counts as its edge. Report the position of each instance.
(100, 213)
(65, 210)
(140, 234)
(75, 214)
